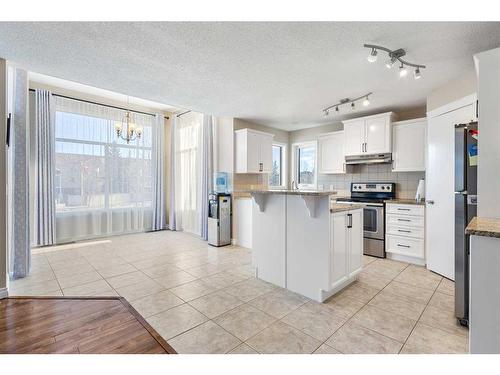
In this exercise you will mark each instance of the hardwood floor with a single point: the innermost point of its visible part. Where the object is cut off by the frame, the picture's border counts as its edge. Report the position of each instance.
(75, 325)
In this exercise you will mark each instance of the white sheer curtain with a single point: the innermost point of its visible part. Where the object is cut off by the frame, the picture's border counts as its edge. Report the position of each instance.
(207, 171)
(159, 208)
(187, 173)
(103, 185)
(44, 207)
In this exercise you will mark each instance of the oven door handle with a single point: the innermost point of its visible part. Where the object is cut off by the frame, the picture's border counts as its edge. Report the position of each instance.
(374, 205)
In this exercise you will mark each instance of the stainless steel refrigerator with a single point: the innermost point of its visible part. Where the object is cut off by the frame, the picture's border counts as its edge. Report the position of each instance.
(465, 209)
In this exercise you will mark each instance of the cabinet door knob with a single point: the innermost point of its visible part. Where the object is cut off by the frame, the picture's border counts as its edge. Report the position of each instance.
(429, 202)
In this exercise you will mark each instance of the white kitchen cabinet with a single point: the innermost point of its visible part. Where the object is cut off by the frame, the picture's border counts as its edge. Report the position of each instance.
(405, 232)
(368, 135)
(346, 248)
(253, 151)
(331, 153)
(354, 137)
(408, 145)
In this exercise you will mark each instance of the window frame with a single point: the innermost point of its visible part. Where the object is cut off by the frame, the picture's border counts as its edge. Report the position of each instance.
(284, 164)
(295, 165)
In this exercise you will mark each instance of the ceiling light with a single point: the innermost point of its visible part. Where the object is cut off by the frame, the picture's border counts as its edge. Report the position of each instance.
(402, 71)
(416, 73)
(372, 57)
(395, 56)
(365, 99)
(390, 62)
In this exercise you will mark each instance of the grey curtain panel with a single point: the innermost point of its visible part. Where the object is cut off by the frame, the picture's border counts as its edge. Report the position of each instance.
(20, 256)
(172, 224)
(45, 210)
(207, 170)
(158, 173)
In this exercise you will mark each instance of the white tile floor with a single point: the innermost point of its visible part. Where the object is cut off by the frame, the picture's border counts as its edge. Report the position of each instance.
(203, 299)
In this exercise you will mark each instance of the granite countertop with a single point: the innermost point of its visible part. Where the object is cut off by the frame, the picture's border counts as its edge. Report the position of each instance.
(318, 193)
(405, 201)
(339, 207)
(482, 226)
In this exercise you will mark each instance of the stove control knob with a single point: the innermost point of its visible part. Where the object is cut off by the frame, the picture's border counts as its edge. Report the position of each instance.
(383, 187)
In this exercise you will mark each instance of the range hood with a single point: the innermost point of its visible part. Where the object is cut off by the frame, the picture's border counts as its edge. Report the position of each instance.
(369, 159)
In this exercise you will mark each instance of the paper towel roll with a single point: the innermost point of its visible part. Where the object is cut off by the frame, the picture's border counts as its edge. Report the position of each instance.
(420, 191)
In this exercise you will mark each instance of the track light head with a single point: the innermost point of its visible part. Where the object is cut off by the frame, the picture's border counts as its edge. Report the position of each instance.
(352, 106)
(326, 112)
(390, 62)
(416, 73)
(336, 109)
(372, 57)
(366, 102)
(402, 71)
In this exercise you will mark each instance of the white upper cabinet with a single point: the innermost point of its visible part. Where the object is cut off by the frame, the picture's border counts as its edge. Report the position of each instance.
(378, 137)
(354, 134)
(253, 151)
(331, 153)
(408, 145)
(266, 152)
(368, 135)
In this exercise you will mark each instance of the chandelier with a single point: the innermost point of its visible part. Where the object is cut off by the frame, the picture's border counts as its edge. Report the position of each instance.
(127, 129)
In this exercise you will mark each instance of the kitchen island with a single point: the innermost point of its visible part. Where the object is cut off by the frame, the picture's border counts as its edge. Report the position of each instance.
(305, 243)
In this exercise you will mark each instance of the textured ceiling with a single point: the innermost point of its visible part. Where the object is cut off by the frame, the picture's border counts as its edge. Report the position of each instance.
(278, 74)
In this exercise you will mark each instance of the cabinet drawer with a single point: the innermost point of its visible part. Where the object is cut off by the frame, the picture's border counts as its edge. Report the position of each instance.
(405, 231)
(405, 209)
(410, 221)
(405, 246)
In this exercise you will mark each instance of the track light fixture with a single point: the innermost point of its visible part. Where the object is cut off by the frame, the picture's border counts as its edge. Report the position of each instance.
(346, 101)
(395, 56)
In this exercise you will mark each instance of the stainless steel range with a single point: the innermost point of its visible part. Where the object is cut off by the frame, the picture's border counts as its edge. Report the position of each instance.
(372, 196)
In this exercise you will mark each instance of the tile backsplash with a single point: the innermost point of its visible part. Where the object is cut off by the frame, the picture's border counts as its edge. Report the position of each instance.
(406, 182)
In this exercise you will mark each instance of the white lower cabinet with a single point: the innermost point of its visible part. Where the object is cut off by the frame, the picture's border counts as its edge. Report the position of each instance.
(346, 259)
(405, 232)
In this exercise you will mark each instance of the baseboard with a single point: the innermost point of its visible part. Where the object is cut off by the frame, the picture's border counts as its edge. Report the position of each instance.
(407, 259)
(4, 293)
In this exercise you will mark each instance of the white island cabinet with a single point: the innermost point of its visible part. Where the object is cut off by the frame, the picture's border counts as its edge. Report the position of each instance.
(304, 244)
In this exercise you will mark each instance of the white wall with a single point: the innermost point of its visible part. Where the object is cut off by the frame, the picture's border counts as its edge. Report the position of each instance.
(224, 134)
(456, 89)
(488, 65)
(3, 180)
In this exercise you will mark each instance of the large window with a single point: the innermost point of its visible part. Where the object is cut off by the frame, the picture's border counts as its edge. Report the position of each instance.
(305, 165)
(277, 177)
(100, 178)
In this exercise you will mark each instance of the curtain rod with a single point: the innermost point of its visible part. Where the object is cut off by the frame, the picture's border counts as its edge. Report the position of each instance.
(183, 113)
(104, 105)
